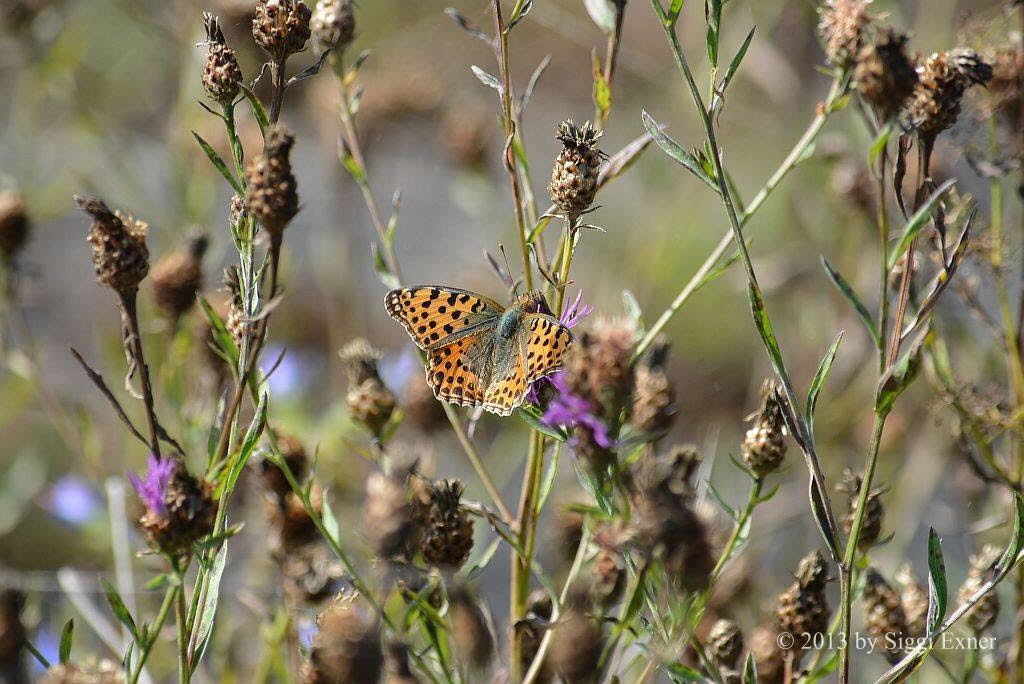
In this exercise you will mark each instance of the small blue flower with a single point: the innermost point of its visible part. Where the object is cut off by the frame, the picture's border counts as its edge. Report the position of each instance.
(571, 411)
(153, 488)
(73, 500)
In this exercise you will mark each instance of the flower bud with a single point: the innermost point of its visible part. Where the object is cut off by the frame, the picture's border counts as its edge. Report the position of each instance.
(574, 177)
(119, 253)
(222, 76)
(281, 27)
(271, 194)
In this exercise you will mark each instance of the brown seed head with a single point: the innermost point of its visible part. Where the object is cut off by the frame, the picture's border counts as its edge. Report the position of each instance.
(914, 599)
(530, 631)
(14, 225)
(842, 27)
(598, 365)
(189, 515)
(574, 177)
(803, 608)
(576, 644)
(236, 211)
(346, 647)
(654, 397)
(942, 81)
(221, 75)
(764, 446)
(119, 253)
(885, 75)
(448, 537)
(177, 278)
(874, 513)
(474, 643)
(725, 643)
(389, 518)
(986, 610)
(281, 27)
(294, 455)
(764, 645)
(422, 408)
(334, 24)
(271, 191)
(884, 614)
(360, 359)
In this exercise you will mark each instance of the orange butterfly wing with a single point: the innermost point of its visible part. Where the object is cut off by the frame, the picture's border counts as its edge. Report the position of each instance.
(546, 343)
(506, 393)
(450, 372)
(434, 316)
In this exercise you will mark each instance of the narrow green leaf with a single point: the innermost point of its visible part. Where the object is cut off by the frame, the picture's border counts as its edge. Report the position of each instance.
(734, 65)
(729, 510)
(847, 291)
(476, 567)
(519, 13)
(252, 436)
(65, 640)
(673, 11)
(383, 272)
(820, 377)
(531, 416)
(538, 230)
(820, 513)
(486, 78)
(602, 92)
(120, 610)
(937, 589)
(879, 144)
(257, 109)
(750, 670)
(331, 521)
(900, 375)
(205, 627)
(764, 325)
(219, 164)
(548, 483)
(30, 647)
(672, 149)
(917, 222)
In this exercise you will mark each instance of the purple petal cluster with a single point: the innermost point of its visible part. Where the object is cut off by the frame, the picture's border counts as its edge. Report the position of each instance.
(574, 313)
(153, 488)
(569, 410)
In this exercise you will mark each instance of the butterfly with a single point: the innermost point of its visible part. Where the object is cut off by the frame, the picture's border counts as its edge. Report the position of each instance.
(478, 352)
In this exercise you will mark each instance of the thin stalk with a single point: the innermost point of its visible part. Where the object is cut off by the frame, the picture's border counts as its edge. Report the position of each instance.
(611, 58)
(737, 233)
(131, 319)
(478, 465)
(850, 553)
(796, 154)
(752, 500)
(526, 521)
(184, 674)
(511, 162)
(161, 618)
(883, 250)
(277, 72)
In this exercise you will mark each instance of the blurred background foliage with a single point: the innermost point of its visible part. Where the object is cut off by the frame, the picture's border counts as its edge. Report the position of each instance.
(100, 96)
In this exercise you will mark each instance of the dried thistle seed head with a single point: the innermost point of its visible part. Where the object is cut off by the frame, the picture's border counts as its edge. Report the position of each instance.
(598, 365)
(389, 518)
(177, 278)
(576, 643)
(531, 629)
(764, 446)
(90, 672)
(725, 643)
(884, 614)
(119, 253)
(179, 509)
(281, 27)
(574, 177)
(474, 643)
(360, 360)
(422, 409)
(310, 573)
(271, 191)
(803, 608)
(914, 599)
(986, 610)
(654, 400)
(235, 320)
(14, 225)
(608, 568)
(221, 75)
(397, 664)
(294, 455)
(346, 647)
(885, 75)
(448, 536)
(290, 524)
(371, 404)
(334, 24)
(764, 645)
(942, 81)
(843, 25)
(236, 211)
(874, 513)
(1007, 75)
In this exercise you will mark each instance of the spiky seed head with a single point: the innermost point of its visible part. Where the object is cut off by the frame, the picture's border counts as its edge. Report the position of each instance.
(14, 225)
(188, 515)
(90, 672)
(885, 75)
(764, 446)
(334, 24)
(177, 278)
(986, 610)
(576, 644)
(725, 643)
(971, 66)
(598, 366)
(346, 647)
(874, 513)
(389, 518)
(448, 536)
(271, 191)
(360, 360)
(222, 76)
(531, 629)
(574, 177)
(371, 404)
(474, 643)
(119, 253)
(843, 25)
(236, 211)
(803, 607)
(235, 322)
(281, 27)
(654, 401)
(883, 614)
(942, 81)
(914, 599)
(310, 573)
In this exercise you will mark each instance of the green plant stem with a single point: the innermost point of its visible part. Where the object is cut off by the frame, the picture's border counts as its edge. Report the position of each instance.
(478, 465)
(807, 438)
(850, 553)
(753, 499)
(883, 250)
(130, 313)
(277, 74)
(161, 618)
(796, 154)
(181, 614)
(511, 162)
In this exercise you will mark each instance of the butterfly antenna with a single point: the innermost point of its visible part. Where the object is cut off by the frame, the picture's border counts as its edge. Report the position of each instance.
(504, 276)
(513, 286)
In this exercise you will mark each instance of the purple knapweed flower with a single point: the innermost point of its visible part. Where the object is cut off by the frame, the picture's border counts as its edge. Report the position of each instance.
(569, 410)
(153, 488)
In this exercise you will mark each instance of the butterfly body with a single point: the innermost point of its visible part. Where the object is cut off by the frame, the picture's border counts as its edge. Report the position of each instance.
(478, 352)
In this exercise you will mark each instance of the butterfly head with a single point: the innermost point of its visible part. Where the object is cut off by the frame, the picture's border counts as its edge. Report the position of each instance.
(533, 302)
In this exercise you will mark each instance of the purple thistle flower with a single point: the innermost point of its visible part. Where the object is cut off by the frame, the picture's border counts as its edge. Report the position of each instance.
(569, 410)
(153, 488)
